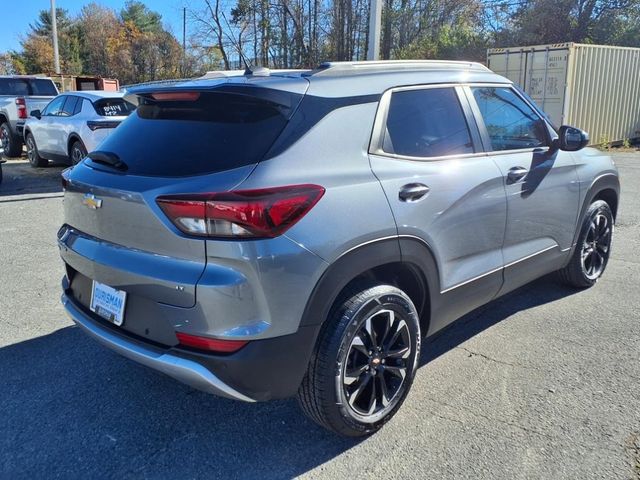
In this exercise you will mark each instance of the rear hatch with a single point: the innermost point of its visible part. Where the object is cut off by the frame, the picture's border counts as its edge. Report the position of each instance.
(183, 140)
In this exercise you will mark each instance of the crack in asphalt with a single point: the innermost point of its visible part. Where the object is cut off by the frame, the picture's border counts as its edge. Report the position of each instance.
(495, 360)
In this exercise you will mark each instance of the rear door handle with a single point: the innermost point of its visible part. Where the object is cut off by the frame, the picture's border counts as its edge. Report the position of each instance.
(516, 173)
(412, 192)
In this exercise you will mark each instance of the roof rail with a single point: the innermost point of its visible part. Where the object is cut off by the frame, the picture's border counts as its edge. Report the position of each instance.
(375, 66)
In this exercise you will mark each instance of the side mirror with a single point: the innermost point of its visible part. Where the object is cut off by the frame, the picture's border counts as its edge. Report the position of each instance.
(572, 139)
(36, 113)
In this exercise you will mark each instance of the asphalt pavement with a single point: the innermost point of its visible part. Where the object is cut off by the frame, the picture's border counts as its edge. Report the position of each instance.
(543, 383)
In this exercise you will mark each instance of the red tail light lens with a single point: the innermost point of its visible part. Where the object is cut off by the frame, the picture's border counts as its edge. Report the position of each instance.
(261, 213)
(211, 344)
(22, 107)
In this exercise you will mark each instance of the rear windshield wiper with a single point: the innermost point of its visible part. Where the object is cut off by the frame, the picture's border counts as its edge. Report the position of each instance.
(108, 158)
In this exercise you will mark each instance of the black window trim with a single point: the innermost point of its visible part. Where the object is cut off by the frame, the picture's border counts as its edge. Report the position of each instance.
(484, 134)
(377, 137)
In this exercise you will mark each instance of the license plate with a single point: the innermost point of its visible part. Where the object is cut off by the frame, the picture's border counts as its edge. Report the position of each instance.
(108, 302)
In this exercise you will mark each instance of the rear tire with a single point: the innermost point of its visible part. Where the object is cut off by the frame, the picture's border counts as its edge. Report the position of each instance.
(11, 144)
(77, 152)
(593, 248)
(35, 160)
(364, 363)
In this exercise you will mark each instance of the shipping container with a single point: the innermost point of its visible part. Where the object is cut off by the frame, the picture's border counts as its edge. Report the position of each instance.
(592, 87)
(73, 83)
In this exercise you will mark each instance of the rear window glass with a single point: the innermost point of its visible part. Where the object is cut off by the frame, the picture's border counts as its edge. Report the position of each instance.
(113, 107)
(216, 132)
(27, 87)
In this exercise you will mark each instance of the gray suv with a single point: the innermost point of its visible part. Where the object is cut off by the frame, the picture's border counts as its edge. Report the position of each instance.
(287, 233)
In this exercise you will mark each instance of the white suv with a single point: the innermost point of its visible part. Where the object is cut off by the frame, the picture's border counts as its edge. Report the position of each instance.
(72, 125)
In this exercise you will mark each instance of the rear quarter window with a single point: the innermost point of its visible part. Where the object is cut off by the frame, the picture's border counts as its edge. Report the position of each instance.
(215, 132)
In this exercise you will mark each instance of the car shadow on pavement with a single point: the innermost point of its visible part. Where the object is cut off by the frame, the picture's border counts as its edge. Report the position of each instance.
(544, 290)
(70, 408)
(19, 178)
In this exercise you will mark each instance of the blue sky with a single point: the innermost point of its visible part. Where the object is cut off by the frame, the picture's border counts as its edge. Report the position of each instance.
(20, 13)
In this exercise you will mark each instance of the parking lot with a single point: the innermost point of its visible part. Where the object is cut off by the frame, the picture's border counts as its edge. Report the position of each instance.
(543, 383)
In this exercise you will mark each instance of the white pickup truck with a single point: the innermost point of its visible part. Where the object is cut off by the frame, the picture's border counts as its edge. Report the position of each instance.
(20, 95)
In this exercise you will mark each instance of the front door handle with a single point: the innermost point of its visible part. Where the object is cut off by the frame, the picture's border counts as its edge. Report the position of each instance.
(412, 192)
(516, 173)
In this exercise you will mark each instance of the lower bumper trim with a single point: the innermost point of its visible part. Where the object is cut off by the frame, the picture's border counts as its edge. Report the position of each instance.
(182, 369)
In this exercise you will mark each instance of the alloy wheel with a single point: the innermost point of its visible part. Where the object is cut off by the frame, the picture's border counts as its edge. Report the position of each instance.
(31, 149)
(595, 249)
(377, 364)
(76, 154)
(5, 139)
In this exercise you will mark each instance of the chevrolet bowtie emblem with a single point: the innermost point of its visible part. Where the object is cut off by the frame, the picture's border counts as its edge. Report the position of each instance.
(91, 201)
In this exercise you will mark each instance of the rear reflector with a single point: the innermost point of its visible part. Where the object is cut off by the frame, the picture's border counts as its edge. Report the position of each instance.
(260, 213)
(211, 344)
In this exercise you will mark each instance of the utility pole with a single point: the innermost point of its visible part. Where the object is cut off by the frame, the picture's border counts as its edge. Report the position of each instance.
(54, 33)
(184, 40)
(375, 25)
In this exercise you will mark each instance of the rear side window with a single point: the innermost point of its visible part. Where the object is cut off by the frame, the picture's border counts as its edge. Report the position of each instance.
(27, 87)
(214, 132)
(113, 107)
(426, 123)
(510, 122)
(69, 106)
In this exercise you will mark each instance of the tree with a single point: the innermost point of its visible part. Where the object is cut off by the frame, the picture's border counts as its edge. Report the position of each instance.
(96, 24)
(10, 64)
(145, 20)
(68, 43)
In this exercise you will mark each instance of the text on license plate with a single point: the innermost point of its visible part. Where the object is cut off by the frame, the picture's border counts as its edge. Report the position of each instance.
(108, 302)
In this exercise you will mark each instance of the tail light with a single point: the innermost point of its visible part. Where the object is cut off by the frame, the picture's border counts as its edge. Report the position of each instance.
(260, 213)
(22, 107)
(211, 344)
(99, 124)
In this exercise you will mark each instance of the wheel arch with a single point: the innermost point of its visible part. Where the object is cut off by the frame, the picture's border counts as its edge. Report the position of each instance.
(73, 137)
(404, 262)
(604, 187)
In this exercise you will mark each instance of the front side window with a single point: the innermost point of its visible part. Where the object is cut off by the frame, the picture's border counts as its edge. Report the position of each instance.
(510, 122)
(55, 106)
(426, 123)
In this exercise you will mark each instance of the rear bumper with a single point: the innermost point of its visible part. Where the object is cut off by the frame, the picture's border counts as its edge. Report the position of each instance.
(182, 369)
(262, 370)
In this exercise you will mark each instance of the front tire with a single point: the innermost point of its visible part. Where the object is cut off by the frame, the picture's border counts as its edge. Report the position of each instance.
(364, 363)
(593, 248)
(11, 144)
(35, 160)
